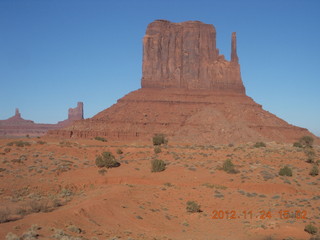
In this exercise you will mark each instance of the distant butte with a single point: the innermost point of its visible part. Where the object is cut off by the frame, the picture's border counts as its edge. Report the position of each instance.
(16, 126)
(189, 92)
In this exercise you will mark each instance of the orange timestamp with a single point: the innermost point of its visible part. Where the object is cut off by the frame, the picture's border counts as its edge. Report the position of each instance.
(282, 214)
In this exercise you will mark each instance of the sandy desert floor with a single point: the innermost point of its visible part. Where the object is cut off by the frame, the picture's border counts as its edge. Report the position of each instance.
(52, 189)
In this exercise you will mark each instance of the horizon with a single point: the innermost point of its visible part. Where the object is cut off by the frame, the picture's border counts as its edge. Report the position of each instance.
(55, 54)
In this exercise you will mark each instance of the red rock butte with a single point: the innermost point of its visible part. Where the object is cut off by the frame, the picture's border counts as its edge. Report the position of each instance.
(189, 92)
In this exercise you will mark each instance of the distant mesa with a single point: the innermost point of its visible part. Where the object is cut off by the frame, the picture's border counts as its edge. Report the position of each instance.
(16, 126)
(190, 92)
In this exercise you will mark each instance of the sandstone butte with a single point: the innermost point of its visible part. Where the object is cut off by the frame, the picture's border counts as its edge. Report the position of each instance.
(16, 126)
(189, 92)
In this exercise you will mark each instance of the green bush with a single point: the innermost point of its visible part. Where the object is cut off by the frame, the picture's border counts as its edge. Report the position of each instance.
(159, 139)
(314, 171)
(306, 141)
(106, 159)
(157, 165)
(193, 207)
(102, 139)
(157, 149)
(259, 144)
(228, 166)
(285, 171)
(310, 229)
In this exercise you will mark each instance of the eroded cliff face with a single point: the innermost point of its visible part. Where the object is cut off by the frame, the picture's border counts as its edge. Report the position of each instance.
(184, 55)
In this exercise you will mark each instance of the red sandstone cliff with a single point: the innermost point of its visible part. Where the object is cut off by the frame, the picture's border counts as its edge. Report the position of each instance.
(189, 92)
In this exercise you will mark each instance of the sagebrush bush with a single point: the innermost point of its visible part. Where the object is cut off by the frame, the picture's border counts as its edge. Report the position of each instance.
(102, 139)
(285, 171)
(4, 215)
(106, 159)
(119, 151)
(228, 166)
(310, 154)
(12, 236)
(39, 206)
(157, 149)
(159, 139)
(157, 165)
(314, 171)
(259, 144)
(19, 143)
(193, 207)
(306, 141)
(310, 229)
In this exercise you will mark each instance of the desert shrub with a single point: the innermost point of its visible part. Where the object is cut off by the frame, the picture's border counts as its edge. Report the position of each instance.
(306, 141)
(119, 151)
(41, 142)
(102, 139)
(4, 215)
(31, 234)
(39, 206)
(157, 149)
(193, 207)
(19, 143)
(310, 229)
(259, 144)
(315, 238)
(159, 139)
(7, 150)
(285, 171)
(102, 171)
(11, 236)
(157, 165)
(228, 166)
(314, 171)
(75, 229)
(106, 159)
(297, 144)
(310, 154)
(269, 238)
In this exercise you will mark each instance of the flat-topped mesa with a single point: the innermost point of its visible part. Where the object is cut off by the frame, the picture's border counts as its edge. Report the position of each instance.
(184, 55)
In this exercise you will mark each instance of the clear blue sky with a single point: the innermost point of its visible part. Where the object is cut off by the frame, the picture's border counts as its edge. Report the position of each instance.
(54, 53)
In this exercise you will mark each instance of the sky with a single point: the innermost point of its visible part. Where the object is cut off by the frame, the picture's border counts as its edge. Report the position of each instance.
(54, 53)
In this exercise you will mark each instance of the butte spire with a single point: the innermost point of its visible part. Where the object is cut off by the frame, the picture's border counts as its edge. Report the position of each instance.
(234, 55)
